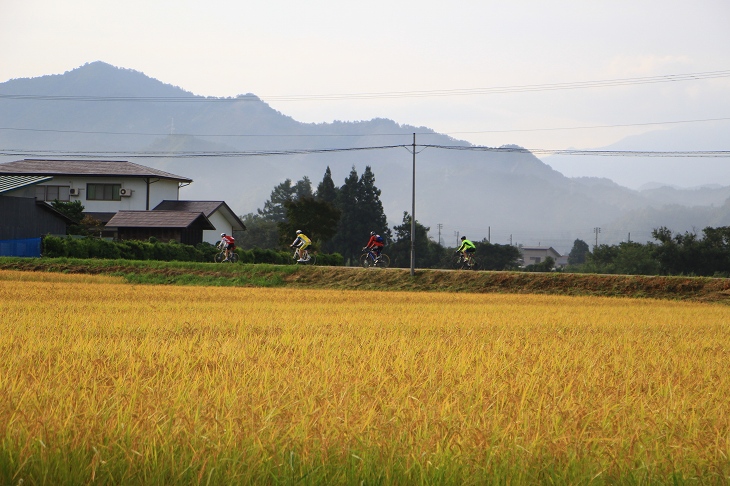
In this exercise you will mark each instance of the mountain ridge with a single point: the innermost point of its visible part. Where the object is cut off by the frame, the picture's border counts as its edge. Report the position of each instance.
(507, 195)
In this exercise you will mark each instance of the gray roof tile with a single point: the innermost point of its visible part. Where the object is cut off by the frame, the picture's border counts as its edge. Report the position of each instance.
(157, 219)
(92, 168)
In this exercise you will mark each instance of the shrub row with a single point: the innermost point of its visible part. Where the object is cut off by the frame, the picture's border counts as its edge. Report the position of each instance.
(57, 247)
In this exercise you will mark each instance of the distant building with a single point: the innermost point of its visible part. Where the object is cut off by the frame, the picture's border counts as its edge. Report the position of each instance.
(532, 255)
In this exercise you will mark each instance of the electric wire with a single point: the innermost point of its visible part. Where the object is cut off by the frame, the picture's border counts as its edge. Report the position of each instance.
(320, 135)
(306, 151)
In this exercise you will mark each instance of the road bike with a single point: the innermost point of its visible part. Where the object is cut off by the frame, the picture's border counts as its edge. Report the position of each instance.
(220, 257)
(370, 259)
(466, 262)
(309, 259)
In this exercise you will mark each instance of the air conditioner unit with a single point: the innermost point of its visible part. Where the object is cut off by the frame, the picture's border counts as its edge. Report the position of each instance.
(125, 192)
(73, 191)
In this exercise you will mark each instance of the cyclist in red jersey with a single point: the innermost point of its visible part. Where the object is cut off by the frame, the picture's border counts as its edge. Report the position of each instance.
(375, 243)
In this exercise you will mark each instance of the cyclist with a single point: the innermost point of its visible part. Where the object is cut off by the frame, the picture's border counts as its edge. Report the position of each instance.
(301, 242)
(227, 243)
(467, 249)
(375, 244)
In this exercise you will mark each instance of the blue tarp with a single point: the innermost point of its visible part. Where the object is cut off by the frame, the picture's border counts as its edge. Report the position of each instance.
(28, 247)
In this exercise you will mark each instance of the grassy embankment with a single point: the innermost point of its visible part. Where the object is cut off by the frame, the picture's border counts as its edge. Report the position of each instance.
(185, 273)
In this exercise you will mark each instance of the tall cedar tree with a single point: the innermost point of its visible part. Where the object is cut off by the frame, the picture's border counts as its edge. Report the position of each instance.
(317, 219)
(350, 233)
(326, 190)
(369, 201)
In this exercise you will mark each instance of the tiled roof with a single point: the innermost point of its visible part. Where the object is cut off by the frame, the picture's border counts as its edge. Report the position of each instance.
(93, 168)
(8, 182)
(205, 207)
(157, 219)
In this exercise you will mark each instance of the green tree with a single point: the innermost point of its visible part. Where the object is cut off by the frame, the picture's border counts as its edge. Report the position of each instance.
(578, 253)
(273, 209)
(73, 210)
(317, 219)
(547, 265)
(327, 190)
(350, 231)
(428, 253)
(260, 233)
(496, 257)
(371, 208)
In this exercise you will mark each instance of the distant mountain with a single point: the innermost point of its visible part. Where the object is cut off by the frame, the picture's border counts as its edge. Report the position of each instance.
(638, 172)
(507, 194)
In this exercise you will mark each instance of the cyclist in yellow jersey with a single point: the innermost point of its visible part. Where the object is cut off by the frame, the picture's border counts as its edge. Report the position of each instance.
(301, 242)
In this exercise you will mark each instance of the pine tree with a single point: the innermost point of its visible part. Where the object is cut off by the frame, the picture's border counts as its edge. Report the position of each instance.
(348, 240)
(326, 190)
(372, 214)
(274, 210)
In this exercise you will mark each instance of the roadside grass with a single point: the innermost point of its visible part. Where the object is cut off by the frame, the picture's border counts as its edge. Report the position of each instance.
(702, 289)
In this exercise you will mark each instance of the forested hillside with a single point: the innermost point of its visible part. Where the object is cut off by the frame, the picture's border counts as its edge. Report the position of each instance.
(504, 193)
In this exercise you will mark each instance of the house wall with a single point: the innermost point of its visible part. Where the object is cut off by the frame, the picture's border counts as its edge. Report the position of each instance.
(221, 226)
(159, 191)
(21, 217)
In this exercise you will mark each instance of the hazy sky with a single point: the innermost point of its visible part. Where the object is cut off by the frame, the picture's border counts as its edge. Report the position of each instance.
(301, 48)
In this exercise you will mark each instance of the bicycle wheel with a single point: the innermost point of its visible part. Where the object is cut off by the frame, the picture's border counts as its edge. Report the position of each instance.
(474, 264)
(365, 261)
(459, 263)
(383, 261)
(233, 258)
(219, 257)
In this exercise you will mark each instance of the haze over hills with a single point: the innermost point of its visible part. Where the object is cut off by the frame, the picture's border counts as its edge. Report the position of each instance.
(509, 195)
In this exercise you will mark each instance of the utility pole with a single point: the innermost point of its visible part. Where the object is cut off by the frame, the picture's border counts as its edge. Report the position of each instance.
(596, 230)
(456, 233)
(439, 226)
(413, 212)
(489, 234)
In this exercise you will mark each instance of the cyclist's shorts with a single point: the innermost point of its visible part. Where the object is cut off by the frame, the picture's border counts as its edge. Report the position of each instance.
(303, 245)
(470, 250)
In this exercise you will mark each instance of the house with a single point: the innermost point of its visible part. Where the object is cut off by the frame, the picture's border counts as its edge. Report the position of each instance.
(182, 226)
(223, 218)
(532, 255)
(106, 188)
(103, 186)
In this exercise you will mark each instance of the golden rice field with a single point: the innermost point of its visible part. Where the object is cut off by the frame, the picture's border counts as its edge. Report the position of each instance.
(106, 382)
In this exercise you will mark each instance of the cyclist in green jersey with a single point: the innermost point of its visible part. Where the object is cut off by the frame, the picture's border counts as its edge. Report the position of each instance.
(467, 248)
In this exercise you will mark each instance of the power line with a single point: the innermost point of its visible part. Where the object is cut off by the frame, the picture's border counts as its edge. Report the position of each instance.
(668, 78)
(241, 135)
(305, 151)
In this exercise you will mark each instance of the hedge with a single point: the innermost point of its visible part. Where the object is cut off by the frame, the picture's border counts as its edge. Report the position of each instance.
(90, 247)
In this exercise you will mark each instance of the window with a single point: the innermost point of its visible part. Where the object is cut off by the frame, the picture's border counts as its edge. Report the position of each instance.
(51, 193)
(103, 192)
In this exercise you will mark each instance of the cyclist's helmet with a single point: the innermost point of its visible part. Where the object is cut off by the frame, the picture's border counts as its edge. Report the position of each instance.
(223, 234)
(463, 238)
(299, 232)
(372, 233)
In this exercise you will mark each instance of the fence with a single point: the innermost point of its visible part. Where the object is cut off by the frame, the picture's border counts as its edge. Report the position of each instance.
(27, 247)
